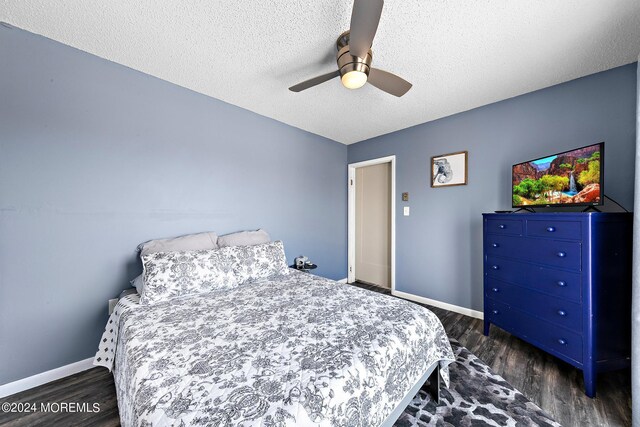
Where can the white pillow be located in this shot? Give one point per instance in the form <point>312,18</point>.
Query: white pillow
<point>190,242</point>
<point>251,263</point>
<point>244,238</point>
<point>169,275</point>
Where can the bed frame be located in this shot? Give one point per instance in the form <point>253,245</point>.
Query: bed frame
<point>433,376</point>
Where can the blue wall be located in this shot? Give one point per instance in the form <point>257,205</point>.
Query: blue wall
<point>439,247</point>
<point>96,158</point>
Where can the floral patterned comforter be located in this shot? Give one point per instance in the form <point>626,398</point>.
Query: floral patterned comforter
<point>294,350</point>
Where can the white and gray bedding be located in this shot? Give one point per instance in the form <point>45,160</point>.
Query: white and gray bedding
<point>295,349</point>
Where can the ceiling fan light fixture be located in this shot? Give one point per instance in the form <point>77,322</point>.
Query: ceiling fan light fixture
<point>354,71</point>
<point>354,55</point>
<point>354,79</point>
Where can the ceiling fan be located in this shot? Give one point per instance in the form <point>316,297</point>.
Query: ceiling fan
<point>354,54</point>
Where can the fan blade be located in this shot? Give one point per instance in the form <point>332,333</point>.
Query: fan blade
<point>388,82</point>
<point>314,81</point>
<point>364,23</point>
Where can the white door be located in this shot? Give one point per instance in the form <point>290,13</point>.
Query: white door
<point>373,224</point>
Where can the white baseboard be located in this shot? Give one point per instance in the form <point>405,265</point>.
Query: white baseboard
<point>440,304</point>
<point>45,377</point>
<point>342,280</point>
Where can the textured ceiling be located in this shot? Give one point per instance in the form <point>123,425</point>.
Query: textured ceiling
<point>458,54</point>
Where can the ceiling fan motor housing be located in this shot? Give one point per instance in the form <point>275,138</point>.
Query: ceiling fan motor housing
<point>348,62</point>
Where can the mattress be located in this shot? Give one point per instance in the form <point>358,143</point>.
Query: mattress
<point>296,349</point>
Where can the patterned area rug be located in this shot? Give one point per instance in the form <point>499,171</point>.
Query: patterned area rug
<point>476,397</point>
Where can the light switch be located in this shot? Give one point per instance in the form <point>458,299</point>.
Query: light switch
<point>405,197</point>
<point>406,211</point>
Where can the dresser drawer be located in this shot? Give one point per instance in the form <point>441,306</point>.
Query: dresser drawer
<point>506,246</point>
<point>560,283</point>
<point>570,230</point>
<point>506,270</point>
<point>552,309</point>
<point>556,253</point>
<point>547,336</point>
<point>512,227</point>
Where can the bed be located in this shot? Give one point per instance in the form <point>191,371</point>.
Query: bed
<point>293,349</point>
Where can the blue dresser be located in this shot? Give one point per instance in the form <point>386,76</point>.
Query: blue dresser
<point>562,282</point>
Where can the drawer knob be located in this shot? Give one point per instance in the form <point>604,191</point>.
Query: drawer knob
<point>551,229</point>
<point>562,283</point>
<point>495,267</point>
<point>495,245</point>
<point>562,312</point>
<point>495,289</point>
<point>562,341</point>
<point>495,312</point>
<point>502,226</point>
<point>562,254</point>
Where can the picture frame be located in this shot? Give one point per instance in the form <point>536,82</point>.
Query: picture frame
<point>448,170</point>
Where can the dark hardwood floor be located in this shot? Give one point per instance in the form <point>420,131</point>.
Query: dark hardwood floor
<point>92,386</point>
<point>550,383</point>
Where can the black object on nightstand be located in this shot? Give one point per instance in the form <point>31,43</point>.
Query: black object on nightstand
<point>307,266</point>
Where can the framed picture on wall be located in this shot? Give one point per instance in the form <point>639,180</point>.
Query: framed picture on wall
<point>449,169</point>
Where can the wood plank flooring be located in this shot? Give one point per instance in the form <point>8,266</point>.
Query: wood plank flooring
<point>91,386</point>
<point>553,385</point>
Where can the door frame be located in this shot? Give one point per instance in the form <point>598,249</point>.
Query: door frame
<point>351,227</point>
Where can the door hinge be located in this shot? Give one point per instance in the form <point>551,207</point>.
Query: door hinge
<point>351,182</point>
<point>350,269</point>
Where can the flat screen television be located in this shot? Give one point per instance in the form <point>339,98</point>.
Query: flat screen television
<point>570,178</point>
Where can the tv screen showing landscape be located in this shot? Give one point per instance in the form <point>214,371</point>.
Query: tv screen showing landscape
<point>570,178</point>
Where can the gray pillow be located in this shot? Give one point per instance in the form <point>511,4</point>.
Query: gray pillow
<point>244,238</point>
<point>190,242</point>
